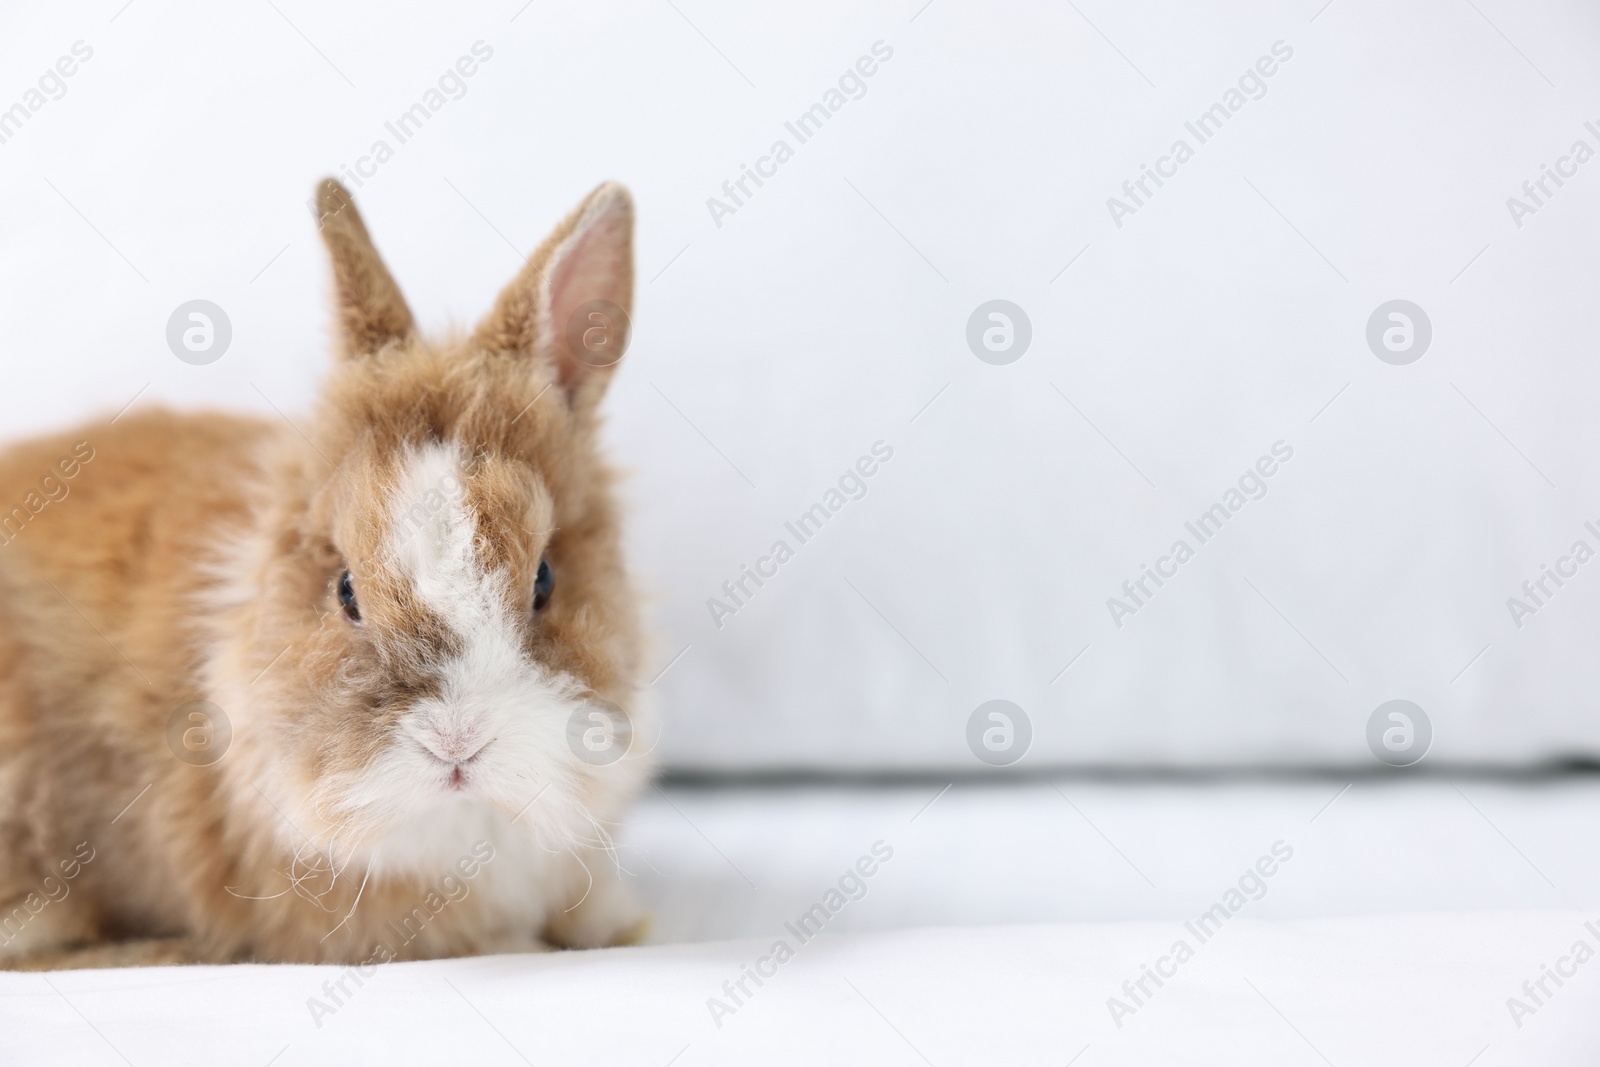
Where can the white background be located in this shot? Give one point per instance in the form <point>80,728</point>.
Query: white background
<point>772,351</point>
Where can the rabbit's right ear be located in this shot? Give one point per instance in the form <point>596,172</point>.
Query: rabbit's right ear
<point>372,313</point>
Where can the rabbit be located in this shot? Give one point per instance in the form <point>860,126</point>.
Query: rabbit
<point>352,688</point>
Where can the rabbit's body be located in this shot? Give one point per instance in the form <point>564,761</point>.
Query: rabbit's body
<point>357,616</point>
<point>99,575</point>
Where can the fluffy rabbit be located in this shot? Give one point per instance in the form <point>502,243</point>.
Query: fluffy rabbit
<point>348,689</point>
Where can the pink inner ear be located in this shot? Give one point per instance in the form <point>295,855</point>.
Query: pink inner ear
<point>594,263</point>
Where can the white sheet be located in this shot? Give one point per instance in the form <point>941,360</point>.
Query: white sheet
<point>1356,991</point>
<point>1438,891</point>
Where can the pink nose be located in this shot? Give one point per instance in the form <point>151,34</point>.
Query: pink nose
<point>452,748</point>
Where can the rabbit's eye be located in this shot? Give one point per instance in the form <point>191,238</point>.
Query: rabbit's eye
<point>347,597</point>
<point>543,585</point>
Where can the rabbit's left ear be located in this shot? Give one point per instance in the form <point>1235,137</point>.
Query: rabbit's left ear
<point>572,301</point>
<point>372,313</point>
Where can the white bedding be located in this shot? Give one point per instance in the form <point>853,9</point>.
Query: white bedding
<point>1445,898</point>
<point>1353,991</point>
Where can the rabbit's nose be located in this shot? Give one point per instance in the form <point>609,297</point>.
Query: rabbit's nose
<point>451,747</point>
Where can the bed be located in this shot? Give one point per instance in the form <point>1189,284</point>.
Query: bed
<point>1411,922</point>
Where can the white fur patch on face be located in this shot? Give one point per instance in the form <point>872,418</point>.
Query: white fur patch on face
<point>491,746</point>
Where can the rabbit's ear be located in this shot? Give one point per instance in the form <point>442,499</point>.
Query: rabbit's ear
<point>372,313</point>
<point>572,301</point>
